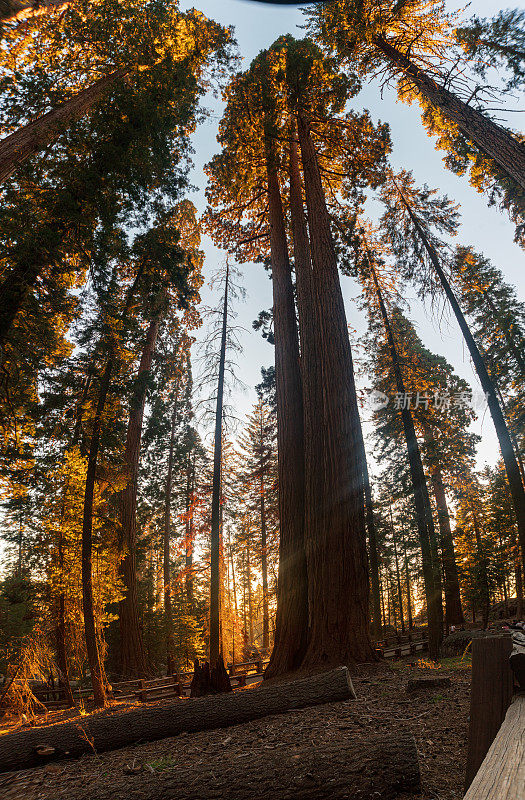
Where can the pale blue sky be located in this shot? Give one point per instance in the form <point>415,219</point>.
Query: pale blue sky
<point>256,27</point>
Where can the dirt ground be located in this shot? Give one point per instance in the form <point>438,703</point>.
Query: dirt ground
<point>437,719</point>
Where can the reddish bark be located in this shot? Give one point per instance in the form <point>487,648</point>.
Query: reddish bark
<point>292,609</point>
<point>489,137</point>
<point>33,137</point>
<point>335,539</point>
<point>132,656</point>
<point>423,509</point>
<point>453,610</point>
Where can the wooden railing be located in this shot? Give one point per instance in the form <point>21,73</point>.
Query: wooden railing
<point>149,690</point>
<point>502,772</point>
<point>240,672</point>
<point>496,745</point>
<point>402,645</point>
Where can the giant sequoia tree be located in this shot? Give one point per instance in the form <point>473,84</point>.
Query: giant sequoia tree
<point>292,96</point>
<point>413,44</point>
<point>412,222</point>
<point>173,245</point>
<point>377,297</point>
<point>88,166</point>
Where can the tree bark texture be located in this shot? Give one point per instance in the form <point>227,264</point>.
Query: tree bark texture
<point>264,563</point>
<point>377,765</point>
<point>109,730</point>
<point>215,578</point>
<point>398,573</point>
<point>38,134</point>
<point>338,588</point>
<point>63,677</point>
<point>166,539</point>
<point>490,138</point>
<point>95,664</point>
<point>132,656</point>
<point>425,522</point>
<point>519,584</point>
<point>409,589</point>
<point>453,610</point>
<point>291,623</point>
<point>188,528</point>
<point>373,556</point>
<point>507,451</point>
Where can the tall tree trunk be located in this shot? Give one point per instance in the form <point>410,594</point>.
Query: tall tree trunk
<point>63,671</point>
<point>215,578</point>
<point>234,582</point>
<point>264,564</point>
<point>515,443</point>
<point>132,657</point>
<point>385,622</point>
<point>63,677</point>
<point>291,623</point>
<point>485,608</point>
<point>244,615</point>
<point>38,134</point>
<point>519,585</point>
<point>453,610</point>
<point>95,664</point>
<point>398,574</point>
<point>491,139</point>
<point>338,588</point>
<point>166,538</point>
<point>425,522</point>
<point>249,585</point>
<point>188,528</point>
<point>409,589</point>
<point>509,458</point>
<point>373,556</point>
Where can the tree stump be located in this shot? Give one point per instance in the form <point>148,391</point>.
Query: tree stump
<point>209,681</point>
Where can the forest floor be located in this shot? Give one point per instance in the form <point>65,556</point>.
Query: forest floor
<point>438,720</point>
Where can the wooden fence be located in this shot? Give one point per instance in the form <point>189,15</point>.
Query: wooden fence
<point>402,645</point>
<point>496,744</point>
<point>241,674</point>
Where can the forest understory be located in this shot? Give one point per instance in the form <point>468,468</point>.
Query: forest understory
<point>201,765</point>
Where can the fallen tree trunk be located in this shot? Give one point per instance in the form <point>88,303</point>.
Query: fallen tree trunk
<point>365,765</point>
<point>368,768</point>
<point>109,730</point>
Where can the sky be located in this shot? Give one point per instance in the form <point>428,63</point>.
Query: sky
<point>256,26</point>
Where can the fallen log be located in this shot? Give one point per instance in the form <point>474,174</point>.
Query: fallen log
<point>335,770</point>
<point>110,729</point>
<point>367,765</point>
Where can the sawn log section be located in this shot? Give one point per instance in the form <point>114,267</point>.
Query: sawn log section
<point>108,730</point>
